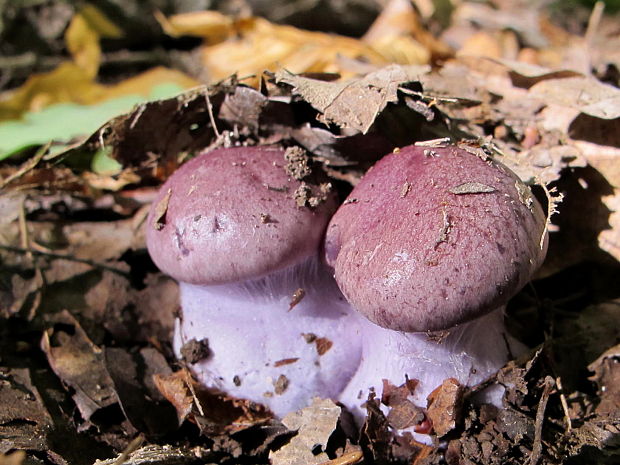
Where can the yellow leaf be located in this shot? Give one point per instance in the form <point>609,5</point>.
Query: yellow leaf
<point>83,44</point>
<point>402,49</point>
<point>399,35</point>
<point>100,23</point>
<point>70,83</point>
<point>143,83</point>
<point>211,25</point>
<point>67,83</point>
<point>259,45</point>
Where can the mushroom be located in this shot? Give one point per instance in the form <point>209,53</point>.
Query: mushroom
<point>255,297</point>
<point>429,246</point>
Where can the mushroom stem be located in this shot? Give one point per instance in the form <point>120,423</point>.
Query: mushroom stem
<point>469,352</point>
<point>267,348</point>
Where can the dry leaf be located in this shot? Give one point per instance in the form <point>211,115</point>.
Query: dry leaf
<point>444,406</point>
<point>254,45</point>
<point>586,94</point>
<point>214,412</point>
<point>355,103</point>
<point>153,454</point>
<point>606,370</point>
<point>605,160</point>
<point>83,44</point>
<point>314,425</point>
<point>24,419</point>
<point>79,364</point>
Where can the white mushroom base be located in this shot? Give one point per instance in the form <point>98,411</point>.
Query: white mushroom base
<point>470,353</point>
<point>262,351</point>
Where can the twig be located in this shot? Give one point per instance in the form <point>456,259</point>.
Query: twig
<point>24,63</point>
<point>28,165</point>
<point>23,228</point>
<point>26,251</point>
<point>28,60</point>
<point>540,418</point>
<point>131,447</point>
<point>569,423</point>
<point>211,117</point>
<point>190,386</point>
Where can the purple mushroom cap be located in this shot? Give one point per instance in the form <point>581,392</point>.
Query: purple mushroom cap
<point>229,215</point>
<point>434,237</point>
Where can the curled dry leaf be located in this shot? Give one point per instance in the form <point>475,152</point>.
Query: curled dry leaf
<point>214,412</point>
<point>444,406</point>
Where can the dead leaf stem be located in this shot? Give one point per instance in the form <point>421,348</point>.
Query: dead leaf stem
<point>28,165</point>
<point>211,117</point>
<point>131,447</point>
<point>569,423</point>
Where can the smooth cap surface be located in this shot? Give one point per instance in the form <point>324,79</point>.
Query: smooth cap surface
<point>433,237</point>
<point>230,215</point>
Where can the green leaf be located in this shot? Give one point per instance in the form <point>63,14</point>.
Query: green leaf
<point>64,122</point>
<point>103,163</point>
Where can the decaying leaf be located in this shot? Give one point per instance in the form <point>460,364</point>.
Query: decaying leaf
<point>356,103</point>
<point>314,425</point>
<point>79,364</point>
<point>585,94</point>
<point>444,406</point>
<point>153,454</point>
<point>606,370</point>
<point>138,398</point>
<point>214,412</point>
<point>24,419</point>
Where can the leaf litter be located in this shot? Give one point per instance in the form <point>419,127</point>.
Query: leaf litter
<point>81,298</point>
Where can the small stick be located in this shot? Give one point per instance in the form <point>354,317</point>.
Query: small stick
<point>211,117</point>
<point>569,424</point>
<point>190,386</point>
<point>540,418</point>
<point>29,164</point>
<point>131,447</point>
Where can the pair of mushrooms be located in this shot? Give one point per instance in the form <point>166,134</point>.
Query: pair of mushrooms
<point>430,239</point>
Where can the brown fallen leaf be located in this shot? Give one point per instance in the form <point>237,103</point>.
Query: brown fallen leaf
<point>356,103</point>
<point>79,364</point>
<point>139,400</point>
<point>214,412</point>
<point>586,94</point>
<point>606,370</point>
<point>444,406</point>
<point>314,425</point>
<point>24,420</point>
